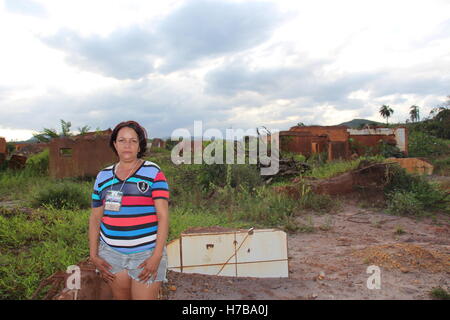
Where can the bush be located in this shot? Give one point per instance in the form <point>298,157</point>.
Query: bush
<point>442,166</point>
<point>332,169</point>
<point>37,164</point>
<point>62,195</point>
<point>264,207</point>
<point>234,175</point>
<point>404,202</point>
<point>440,293</point>
<point>403,187</point>
<point>388,150</point>
<point>421,144</point>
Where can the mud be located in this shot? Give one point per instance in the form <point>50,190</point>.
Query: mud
<point>332,261</point>
<point>328,263</point>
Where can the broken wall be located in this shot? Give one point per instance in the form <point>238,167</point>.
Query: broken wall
<point>3,148</point>
<point>316,139</point>
<point>371,136</point>
<point>334,133</point>
<point>80,156</point>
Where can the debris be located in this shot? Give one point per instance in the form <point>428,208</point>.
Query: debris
<point>17,162</point>
<point>93,287</point>
<point>405,257</point>
<point>414,165</point>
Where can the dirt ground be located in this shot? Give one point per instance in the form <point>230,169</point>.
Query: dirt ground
<point>331,262</point>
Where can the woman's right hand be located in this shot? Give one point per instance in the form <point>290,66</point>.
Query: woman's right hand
<point>103,267</point>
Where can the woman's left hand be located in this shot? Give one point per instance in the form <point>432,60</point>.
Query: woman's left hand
<point>150,268</point>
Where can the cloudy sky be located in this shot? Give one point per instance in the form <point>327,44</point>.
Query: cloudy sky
<point>230,64</point>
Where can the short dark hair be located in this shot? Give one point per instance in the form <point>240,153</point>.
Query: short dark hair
<point>141,132</point>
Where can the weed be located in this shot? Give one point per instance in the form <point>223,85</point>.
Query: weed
<point>403,202</point>
<point>399,230</point>
<point>332,169</point>
<point>412,194</point>
<point>61,195</point>
<point>327,225</point>
<point>439,293</point>
<point>307,227</point>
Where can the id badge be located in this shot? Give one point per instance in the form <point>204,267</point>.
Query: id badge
<point>113,200</point>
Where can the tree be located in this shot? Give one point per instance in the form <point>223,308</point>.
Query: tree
<point>65,128</point>
<point>84,129</point>
<point>48,134</point>
<point>386,112</point>
<point>414,113</point>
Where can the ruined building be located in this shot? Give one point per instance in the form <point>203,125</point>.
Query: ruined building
<point>80,156</point>
<point>340,142</point>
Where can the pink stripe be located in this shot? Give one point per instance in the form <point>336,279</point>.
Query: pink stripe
<point>139,201</point>
<point>125,222</point>
<point>160,193</point>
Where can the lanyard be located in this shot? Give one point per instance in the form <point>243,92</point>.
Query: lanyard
<point>125,180</point>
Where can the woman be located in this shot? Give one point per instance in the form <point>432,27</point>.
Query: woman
<point>129,223</point>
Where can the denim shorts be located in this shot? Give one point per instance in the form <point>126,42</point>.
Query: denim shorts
<point>130,262</point>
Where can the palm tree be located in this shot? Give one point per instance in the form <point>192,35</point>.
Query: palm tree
<point>84,129</point>
<point>414,113</point>
<point>48,134</point>
<point>386,112</point>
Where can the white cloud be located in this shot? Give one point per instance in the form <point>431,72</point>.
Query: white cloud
<point>172,62</point>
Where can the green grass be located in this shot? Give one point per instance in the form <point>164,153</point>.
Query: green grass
<point>337,167</point>
<point>332,169</point>
<point>413,194</point>
<point>37,245</point>
<point>441,165</point>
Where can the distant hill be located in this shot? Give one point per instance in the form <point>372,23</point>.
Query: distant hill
<point>357,123</point>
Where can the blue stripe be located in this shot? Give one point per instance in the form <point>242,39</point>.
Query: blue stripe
<point>150,172</point>
<point>95,197</point>
<point>133,210</point>
<point>128,233</point>
<point>133,179</point>
<point>108,184</point>
<point>160,185</point>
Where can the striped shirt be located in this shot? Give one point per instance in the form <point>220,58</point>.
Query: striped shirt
<point>133,228</point>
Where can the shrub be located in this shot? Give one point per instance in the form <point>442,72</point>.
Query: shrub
<point>37,164</point>
<point>62,195</point>
<point>439,293</point>
<point>404,202</point>
<point>403,187</point>
<point>332,168</point>
<point>234,175</point>
<point>421,144</point>
<point>316,202</point>
<point>388,150</point>
<point>442,166</point>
